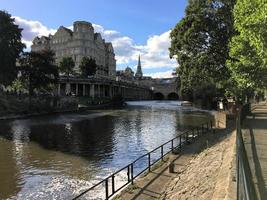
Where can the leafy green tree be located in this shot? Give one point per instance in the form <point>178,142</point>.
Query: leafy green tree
<point>248,49</point>
<point>66,66</point>
<point>38,71</point>
<point>199,42</point>
<point>10,48</point>
<point>88,67</point>
<point>17,86</point>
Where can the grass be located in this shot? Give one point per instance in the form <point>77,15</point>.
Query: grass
<point>117,198</point>
<point>130,189</point>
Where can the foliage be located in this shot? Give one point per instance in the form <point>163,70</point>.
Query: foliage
<point>88,67</point>
<point>10,47</point>
<point>38,72</point>
<point>248,52</point>
<point>199,42</point>
<point>66,66</point>
<point>17,86</point>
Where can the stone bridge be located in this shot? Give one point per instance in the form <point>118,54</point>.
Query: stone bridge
<point>102,88</point>
<point>165,88</point>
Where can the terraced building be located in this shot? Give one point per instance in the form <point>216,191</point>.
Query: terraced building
<point>79,43</point>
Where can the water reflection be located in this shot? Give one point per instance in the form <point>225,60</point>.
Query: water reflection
<point>59,156</point>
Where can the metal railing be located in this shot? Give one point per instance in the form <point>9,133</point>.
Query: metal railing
<point>175,144</point>
<point>245,185</point>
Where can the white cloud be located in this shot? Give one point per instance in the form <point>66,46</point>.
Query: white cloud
<point>166,74</point>
<point>32,29</point>
<point>154,54</point>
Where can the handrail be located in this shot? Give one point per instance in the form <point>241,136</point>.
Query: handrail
<point>245,186</point>
<point>183,139</point>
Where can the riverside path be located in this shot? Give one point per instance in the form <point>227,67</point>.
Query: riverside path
<point>255,139</point>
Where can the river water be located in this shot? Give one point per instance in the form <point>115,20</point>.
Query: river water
<point>59,156</point>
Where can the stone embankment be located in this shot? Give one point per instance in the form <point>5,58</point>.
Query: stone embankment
<point>208,175</point>
<point>204,170</point>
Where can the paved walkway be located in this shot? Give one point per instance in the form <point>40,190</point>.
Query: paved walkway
<point>255,138</point>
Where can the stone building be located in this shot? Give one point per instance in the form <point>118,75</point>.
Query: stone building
<point>127,74</point>
<point>79,43</point>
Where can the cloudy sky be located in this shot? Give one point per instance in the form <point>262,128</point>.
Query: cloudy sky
<point>133,26</point>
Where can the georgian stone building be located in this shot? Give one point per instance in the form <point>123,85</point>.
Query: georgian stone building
<point>79,43</point>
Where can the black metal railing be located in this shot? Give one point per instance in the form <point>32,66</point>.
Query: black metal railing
<point>245,185</point>
<point>176,144</point>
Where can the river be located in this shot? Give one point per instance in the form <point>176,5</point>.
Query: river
<point>59,156</point>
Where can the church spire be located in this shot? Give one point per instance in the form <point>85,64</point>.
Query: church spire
<point>139,73</point>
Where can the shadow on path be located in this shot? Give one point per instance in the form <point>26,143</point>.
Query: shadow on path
<point>258,169</point>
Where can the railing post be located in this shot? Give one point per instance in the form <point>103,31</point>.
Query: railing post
<point>113,184</point>
<point>132,173</point>
<point>180,143</point>
<point>162,152</point>
<point>172,145</point>
<point>106,186</point>
<point>149,169</point>
<point>210,124</point>
<point>202,128</point>
<point>237,173</point>
<point>128,173</point>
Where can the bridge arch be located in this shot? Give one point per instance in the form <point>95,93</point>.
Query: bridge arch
<point>158,96</point>
<point>173,96</point>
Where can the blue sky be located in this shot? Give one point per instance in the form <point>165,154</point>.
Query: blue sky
<point>133,26</point>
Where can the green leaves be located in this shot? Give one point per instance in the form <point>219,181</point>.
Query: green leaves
<point>38,72</point>
<point>10,48</point>
<point>66,66</point>
<point>88,67</point>
<point>248,63</point>
<point>200,44</point>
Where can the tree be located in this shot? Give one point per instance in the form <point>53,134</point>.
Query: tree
<point>38,72</point>
<point>66,66</point>
<point>248,49</point>
<point>10,48</point>
<point>199,42</point>
<point>88,67</point>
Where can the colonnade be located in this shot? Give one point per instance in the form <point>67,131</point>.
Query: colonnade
<point>102,90</point>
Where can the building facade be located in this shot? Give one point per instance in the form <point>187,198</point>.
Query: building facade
<point>79,43</point>
<point>125,75</point>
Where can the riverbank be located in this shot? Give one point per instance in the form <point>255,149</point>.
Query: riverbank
<point>13,116</point>
<point>202,171</point>
<point>29,115</point>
